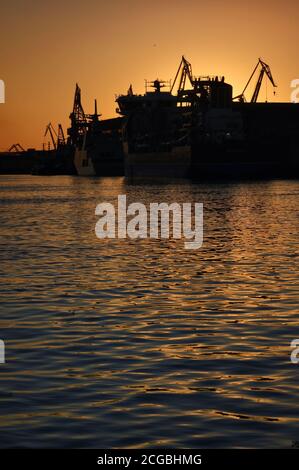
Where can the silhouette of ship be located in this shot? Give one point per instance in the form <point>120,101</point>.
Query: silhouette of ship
<point>156,133</point>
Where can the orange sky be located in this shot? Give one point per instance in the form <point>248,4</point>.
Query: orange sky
<point>45,47</point>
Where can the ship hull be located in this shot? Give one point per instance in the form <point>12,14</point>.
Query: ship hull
<point>255,159</point>
<point>173,164</point>
<point>83,163</point>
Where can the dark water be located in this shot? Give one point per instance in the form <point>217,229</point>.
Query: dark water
<point>121,343</point>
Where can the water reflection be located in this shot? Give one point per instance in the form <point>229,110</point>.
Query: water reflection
<point>142,343</point>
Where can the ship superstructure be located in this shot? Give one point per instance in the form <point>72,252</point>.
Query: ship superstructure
<point>156,133</point>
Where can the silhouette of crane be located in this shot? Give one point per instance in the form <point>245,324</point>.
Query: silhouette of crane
<point>265,69</point>
<point>78,119</point>
<point>53,135</point>
<point>16,148</point>
<point>60,136</point>
<point>185,71</point>
<point>57,138</point>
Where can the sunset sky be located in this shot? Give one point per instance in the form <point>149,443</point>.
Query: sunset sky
<point>46,47</point>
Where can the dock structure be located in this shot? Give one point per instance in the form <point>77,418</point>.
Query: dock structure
<point>194,124</point>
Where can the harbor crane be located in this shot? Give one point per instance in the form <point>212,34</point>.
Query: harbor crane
<point>16,148</point>
<point>185,71</point>
<point>203,88</point>
<point>57,138</point>
<point>78,119</point>
<point>60,137</point>
<point>53,135</point>
<point>264,69</point>
<point>94,118</point>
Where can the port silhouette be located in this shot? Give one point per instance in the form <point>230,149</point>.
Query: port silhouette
<point>193,127</point>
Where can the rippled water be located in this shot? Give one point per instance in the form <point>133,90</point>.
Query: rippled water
<point>122,343</point>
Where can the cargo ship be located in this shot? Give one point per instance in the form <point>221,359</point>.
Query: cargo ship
<point>202,131</point>
<point>156,133</point>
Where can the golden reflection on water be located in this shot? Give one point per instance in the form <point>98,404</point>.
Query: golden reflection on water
<point>139,343</point>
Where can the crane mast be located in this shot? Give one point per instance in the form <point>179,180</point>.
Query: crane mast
<point>78,119</point>
<point>53,135</point>
<point>60,136</point>
<point>185,69</point>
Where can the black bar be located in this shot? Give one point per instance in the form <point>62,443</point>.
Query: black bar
<point>149,458</point>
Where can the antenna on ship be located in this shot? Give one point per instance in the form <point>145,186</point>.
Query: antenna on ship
<point>130,90</point>
<point>94,118</point>
<point>157,84</point>
<point>96,114</point>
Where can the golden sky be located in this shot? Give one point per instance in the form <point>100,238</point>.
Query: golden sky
<point>104,45</point>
